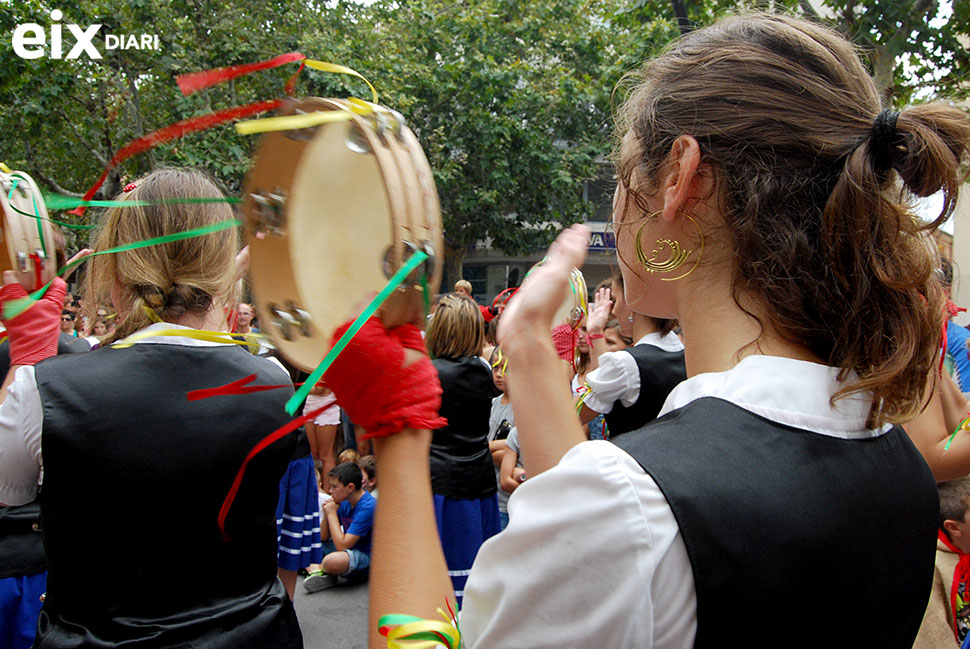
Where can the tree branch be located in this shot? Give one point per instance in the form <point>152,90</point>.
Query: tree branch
<point>97,154</point>
<point>809,10</point>
<point>42,177</point>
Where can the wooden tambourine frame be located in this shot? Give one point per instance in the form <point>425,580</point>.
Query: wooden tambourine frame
<point>28,239</point>
<point>331,213</point>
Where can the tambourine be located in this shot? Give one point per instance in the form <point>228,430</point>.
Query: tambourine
<point>331,212</point>
<point>28,239</point>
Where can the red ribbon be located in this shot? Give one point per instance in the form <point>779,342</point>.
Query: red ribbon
<point>277,434</point>
<point>236,387</point>
<point>38,278</point>
<point>174,131</point>
<point>195,81</point>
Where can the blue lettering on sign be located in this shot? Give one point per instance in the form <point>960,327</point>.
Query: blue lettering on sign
<point>602,242</point>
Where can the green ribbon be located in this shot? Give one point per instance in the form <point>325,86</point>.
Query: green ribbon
<point>964,424</point>
<point>15,307</point>
<point>59,202</point>
<point>416,259</point>
<point>36,215</point>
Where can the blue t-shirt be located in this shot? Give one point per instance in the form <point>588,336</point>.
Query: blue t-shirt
<point>358,520</point>
<point>956,346</point>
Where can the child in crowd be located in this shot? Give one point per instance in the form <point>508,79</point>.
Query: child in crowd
<point>463,287</point>
<point>500,423</point>
<point>345,530</point>
<point>347,455</point>
<point>512,472</point>
<point>322,431</point>
<point>947,617</point>
<point>368,467</point>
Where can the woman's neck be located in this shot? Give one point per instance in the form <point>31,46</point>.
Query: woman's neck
<point>211,320</point>
<point>642,326</point>
<point>718,334</point>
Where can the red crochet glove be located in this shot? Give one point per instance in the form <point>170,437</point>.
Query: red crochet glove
<point>379,394</point>
<point>564,338</point>
<point>33,333</point>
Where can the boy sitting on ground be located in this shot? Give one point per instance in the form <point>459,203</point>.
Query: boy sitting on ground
<point>947,617</point>
<point>345,529</point>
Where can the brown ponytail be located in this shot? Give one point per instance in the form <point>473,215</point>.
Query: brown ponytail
<point>814,179</point>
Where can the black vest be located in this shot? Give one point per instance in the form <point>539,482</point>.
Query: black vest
<point>134,477</point>
<point>795,539</point>
<point>21,546</point>
<point>660,372</point>
<point>461,464</point>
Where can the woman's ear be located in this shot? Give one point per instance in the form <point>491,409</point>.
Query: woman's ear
<point>680,177</point>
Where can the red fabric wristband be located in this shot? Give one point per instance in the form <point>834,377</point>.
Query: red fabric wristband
<point>33,333</point>
<point>564,338</point>
<point>374,389</point>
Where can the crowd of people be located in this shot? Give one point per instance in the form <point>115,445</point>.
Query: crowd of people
<point>752,418</point>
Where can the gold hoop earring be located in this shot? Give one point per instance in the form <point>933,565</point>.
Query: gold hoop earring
<point>678,256</point>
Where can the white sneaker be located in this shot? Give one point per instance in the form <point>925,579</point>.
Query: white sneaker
<point>317,581</point>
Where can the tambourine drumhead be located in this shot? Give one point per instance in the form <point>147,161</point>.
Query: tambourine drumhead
<point>335,205</point>
<point>27,233</point>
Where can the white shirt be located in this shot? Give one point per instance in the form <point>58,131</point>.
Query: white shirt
<point>22,419</point>
<point>592,556</point>
<point>617,377</point>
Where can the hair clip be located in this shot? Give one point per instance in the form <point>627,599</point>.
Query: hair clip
<point>129,187</point>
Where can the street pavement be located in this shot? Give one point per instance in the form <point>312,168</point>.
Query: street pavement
<point>333,619</point>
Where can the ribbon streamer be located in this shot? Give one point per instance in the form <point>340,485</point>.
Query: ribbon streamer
<point>174,131</point>
<point>197,334</point>
<point>277,434</point>
<point>195,81</point>
<point>291,122</point>
<point>60,202</point>
<point>964,426</point>
<point>236,387</point>
<point>410,632</point>
<point>15,307</point>
<point>416,259</point>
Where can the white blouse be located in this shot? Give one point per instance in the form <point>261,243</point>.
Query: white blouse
<point>617,377</point>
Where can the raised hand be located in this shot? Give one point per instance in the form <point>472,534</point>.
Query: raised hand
<point>600,315</point>
<point>531,310</point>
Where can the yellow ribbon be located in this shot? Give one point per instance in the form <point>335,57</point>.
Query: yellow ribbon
<point>397,638</point>
<point>211,336</point>
<point>152,315</point>
<point>582,398</point>
<point>291,122</point>
<point>309,120</point>
<point>5,169</point>
<point>340,69</point>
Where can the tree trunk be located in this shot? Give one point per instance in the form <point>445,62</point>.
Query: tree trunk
<point>883,66</point>
<point>680,11</point>
<point>454,258</point>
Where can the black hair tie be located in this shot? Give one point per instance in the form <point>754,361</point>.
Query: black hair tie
<point>885,139</point>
